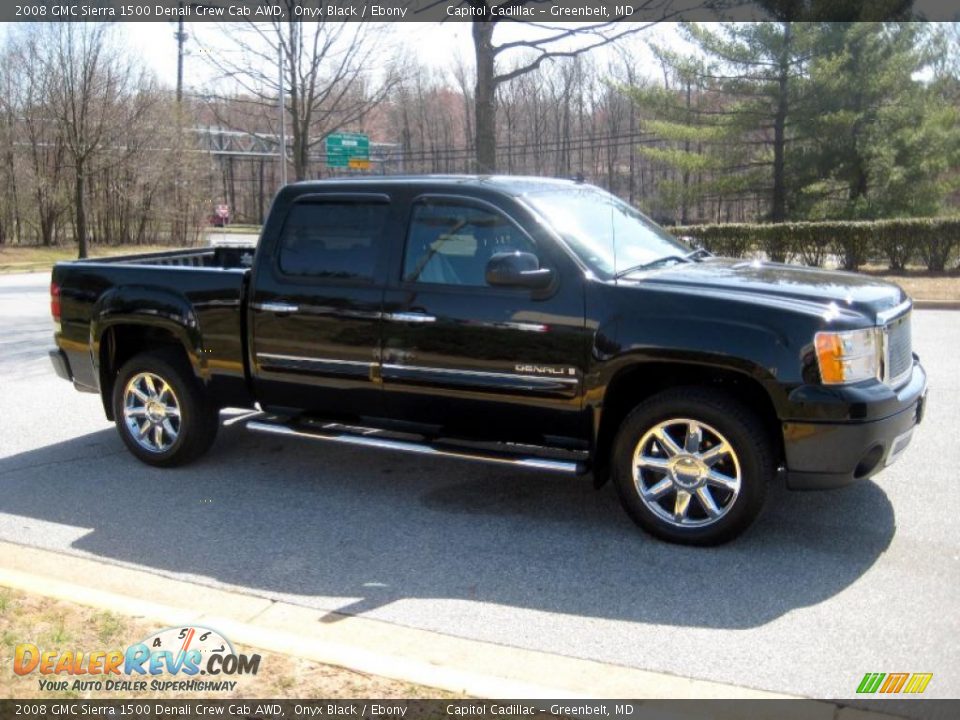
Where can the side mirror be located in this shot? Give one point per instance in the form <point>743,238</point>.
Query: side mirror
<point>517,269</point>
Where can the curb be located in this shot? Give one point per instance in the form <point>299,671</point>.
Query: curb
<point>471,667</point>
<point>936,305</point>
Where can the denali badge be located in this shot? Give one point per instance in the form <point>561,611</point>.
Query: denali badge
<point>545,370</point>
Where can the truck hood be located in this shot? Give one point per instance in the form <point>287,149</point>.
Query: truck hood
<point>805,288</point>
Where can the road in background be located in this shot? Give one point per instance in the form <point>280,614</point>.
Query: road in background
<point>219,237</point>
<point>824,588</point>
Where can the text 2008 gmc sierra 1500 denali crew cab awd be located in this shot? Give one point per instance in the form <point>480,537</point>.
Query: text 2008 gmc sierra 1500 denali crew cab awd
<point>541,323</point>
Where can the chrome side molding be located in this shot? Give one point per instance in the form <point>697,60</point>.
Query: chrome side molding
<point>276,307</point>
<point>548,380</point>
<point>414,317</point>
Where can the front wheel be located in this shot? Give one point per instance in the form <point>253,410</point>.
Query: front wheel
<point>161,410</point>
<point>691,465</point>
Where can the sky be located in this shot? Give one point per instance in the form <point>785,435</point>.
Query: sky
<point>435,44</point>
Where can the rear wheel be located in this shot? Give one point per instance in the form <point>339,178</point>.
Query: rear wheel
<point>161,411</point>
<point>691,465</point>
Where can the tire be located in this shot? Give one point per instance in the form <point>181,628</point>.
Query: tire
<point>148,389</point>
<point>681,485</point>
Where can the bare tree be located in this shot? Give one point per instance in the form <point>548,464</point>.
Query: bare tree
<point>35,130</point>
<point>10,220</point>
<point>461,74</point>
<point>88,140</point>
<point>334,73</point>
<point>547,41</point>
<point>96,96</point>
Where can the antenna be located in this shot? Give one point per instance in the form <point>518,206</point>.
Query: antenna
<point>613,238</point>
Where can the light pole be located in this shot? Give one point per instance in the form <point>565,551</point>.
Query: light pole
<point>283,119</point>
<point>181,37</point>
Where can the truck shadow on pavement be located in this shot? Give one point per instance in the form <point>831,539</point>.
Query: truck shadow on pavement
<point>349,530</point>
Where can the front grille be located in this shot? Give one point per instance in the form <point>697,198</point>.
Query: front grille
<point>898,350</point>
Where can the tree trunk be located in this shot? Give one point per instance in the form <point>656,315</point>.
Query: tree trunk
<point>260,193</point>
<point>778,211</point>
<point>46,226</point>
<point>685,199</point>
<point>301,158</point>
<point>231,187</point>
<point>8,157</point>
<point>16,204</point>
<point>859,181</point>
<point>485,108</point>
<point>80,211</point>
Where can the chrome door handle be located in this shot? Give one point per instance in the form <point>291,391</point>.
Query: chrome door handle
<point>276,307</point>
<point>415,317</point>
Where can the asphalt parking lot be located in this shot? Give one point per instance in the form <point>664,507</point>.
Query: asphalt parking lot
<point>824,588</point>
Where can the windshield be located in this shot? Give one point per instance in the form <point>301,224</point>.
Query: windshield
<point>605,232</point>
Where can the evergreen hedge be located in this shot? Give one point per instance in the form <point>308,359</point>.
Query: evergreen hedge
<point>933,241</point>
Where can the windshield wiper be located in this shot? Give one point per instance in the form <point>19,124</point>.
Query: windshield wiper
<point>698,253</point>
<point>651,264</point>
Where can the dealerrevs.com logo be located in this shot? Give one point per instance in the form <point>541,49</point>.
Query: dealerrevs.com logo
<point>183,652</point>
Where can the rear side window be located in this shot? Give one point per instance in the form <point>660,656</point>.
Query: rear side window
<point>337,240</point>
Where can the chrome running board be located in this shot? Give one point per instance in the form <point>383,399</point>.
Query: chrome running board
<point>335,434</point>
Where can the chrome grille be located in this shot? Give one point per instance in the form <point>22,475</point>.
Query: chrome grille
<point>897,350</point>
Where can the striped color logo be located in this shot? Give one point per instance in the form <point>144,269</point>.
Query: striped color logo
<point>890,683</point>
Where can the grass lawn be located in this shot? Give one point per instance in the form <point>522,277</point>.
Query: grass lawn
<point>239,229</point>
<point>922,284</point>
<point>19,258</point>
<point>61,626</point>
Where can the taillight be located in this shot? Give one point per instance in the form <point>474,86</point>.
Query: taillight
<point>55,301</point>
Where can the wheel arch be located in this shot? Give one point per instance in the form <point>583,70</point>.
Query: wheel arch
<point>122,338</point>
<point>128,319</point>
<point>634,382</point>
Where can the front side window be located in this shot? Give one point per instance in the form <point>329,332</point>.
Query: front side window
<point>451,243</point>
<point>336,240</point>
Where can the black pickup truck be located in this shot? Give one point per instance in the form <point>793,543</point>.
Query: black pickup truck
<point>539,323</point>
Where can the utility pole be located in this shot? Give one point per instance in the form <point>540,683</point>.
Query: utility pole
<point>180,224</point>
<point>181,37</point>
<point>283,120</point>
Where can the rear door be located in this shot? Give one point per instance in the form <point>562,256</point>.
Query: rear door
<point>315,306</point>
<point>469,359</point>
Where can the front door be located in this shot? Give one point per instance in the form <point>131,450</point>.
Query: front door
<point>315,307</point>
<point>472,360</point>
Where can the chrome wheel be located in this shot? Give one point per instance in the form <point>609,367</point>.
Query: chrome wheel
<point>686,473</point>
<point>151,412</point>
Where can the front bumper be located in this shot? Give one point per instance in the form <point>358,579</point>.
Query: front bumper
<point>822,455</point>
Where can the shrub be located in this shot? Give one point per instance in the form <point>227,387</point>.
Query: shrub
<point>932,240</point>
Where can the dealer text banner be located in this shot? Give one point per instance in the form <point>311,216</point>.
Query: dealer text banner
<point>384,709</point>
<point>542,11</point>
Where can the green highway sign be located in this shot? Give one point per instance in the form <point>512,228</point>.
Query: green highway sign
<point>348,150</point>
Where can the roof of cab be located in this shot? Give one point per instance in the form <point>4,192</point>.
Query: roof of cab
<point>510,184</point>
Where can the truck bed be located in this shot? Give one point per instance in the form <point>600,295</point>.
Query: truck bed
<point>196,296</point>
<point>223,258</point>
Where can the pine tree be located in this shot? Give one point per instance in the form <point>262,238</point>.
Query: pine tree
<point>883,138</point>
<point>754,72</point>
<point>697,145</point>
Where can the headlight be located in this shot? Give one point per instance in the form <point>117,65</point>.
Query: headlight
<point>848,357</point>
